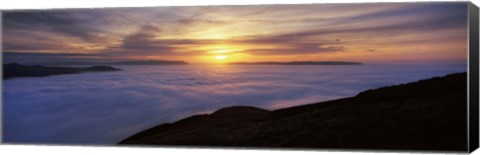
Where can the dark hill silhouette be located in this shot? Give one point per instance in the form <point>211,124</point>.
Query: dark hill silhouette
<point>13,70</point>
<point>297,63</point>
<point>150,62</point>
<point>424,115</point>
<point>140,62</point>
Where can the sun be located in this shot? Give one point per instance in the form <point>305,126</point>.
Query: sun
<point>220,57</point>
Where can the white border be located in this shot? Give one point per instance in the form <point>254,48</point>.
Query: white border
<point>53,150</point>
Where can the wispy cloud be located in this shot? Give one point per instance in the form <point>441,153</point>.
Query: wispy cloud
<point>320,31</point>
<point>70,23</point>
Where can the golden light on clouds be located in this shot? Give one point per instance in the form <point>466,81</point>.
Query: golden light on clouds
<point>220,51</point>
<point>213,34</point>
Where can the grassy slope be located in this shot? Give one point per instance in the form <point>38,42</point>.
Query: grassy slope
<point>424,115</point>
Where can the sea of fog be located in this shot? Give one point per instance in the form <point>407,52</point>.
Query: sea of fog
<point>107,107</point>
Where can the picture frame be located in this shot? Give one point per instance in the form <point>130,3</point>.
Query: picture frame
<point>472,75</point>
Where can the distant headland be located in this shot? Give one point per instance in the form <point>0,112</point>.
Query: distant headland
<point>14,70</point>
<point>298,63</point>
<point>139,62</point>
<point>150,62</point>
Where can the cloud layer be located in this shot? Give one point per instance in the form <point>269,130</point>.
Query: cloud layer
<point>104,108</point>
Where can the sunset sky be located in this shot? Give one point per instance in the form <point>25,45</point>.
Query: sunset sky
<point>382,32</point>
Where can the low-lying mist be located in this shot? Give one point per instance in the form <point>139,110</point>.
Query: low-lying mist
<point>104,108</point>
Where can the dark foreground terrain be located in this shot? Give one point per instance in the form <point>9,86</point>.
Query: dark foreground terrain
<point>13,70</point>
<point>424,115</point>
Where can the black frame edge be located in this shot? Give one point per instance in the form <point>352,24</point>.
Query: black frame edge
<point>473,110</point>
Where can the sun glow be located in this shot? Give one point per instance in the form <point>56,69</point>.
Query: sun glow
<point>221,51</point>
<point>220,57</point>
